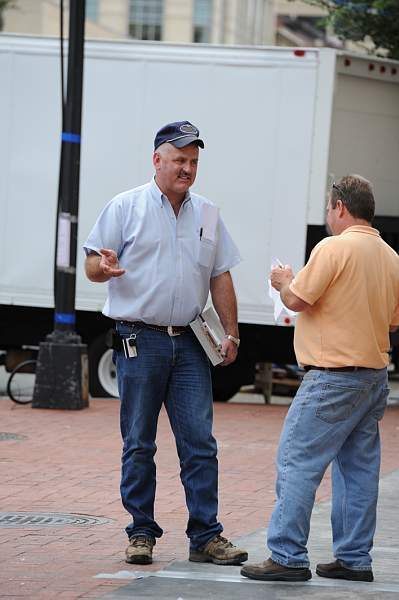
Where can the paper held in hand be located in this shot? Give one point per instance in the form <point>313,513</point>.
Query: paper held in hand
<point>282,314</point>
<point>210,333</point>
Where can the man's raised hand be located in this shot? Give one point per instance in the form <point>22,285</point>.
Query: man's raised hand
<point>109,263</point>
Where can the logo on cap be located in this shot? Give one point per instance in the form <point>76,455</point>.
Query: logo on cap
<point>187,128</point>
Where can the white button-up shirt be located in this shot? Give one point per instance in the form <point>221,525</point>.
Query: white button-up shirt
<point>168,265</point>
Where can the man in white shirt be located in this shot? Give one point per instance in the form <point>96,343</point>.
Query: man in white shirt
<point>162,249</point>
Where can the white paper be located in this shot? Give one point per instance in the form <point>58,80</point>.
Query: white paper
<point>282,314</point>
<point>210,333</point>
<point>64,240</point>
<point>209,221</point>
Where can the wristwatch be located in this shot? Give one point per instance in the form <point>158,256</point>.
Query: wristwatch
<point>233,339</point>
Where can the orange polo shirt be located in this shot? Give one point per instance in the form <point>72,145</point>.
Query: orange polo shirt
<point>351,282</point>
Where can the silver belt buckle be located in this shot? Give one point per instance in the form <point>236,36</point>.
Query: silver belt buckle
<point>171,332</point>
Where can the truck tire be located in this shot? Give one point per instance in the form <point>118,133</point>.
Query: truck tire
<point>223,393</point>
<point>227,381</point>
<point>102,371</point>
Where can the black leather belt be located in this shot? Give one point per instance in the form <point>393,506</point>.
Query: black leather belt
<point>338,369</point>
<point>169,329</point>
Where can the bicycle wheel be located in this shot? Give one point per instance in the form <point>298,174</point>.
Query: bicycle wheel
<point>21,382</point>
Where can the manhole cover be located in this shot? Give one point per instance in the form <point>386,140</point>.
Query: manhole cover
<point>4,435</point>
<point>27,519</point>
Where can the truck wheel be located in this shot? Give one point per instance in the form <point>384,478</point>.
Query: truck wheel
<point>227,381</point>
<point>102,371</point>
<point>225,392</point>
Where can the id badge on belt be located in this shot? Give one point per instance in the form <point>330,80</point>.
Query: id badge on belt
<point>129,346</point>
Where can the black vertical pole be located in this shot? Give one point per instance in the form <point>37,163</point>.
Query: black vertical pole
<point>61,375</point>
<point>65,280</point>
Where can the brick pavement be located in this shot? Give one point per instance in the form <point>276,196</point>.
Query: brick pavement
<point>69,463</point>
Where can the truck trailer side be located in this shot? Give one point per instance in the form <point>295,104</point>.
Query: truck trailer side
<point>278,124</point>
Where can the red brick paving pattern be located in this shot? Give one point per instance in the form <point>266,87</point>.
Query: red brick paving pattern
<point>70,463</point>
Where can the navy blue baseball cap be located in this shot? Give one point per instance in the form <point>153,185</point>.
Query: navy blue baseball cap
<point>180,134</point>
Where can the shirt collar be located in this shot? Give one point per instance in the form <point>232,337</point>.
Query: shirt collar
<point>156,192</point>
<point>160,196</point>
<point>362,229</point>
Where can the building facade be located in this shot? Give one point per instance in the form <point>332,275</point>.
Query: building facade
<point>243,22</point>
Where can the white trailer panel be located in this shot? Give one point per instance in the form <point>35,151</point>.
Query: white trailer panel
<point>275,122</point>
<point>255,111</point>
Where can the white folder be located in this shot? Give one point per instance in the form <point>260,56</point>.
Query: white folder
<point>210,333</point>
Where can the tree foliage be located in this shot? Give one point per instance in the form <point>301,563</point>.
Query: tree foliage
<point>3,5</point>
<point>357,19</point>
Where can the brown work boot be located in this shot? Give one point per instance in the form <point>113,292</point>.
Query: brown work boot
<point>337,570</point>
<point>220,552</point>
<point>272,571</point>
<point>139,550</point>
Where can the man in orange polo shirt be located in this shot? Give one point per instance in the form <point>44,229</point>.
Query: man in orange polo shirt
<point>348,299</point>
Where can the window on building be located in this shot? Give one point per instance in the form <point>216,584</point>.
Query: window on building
<point>92,10</point>
<point>202,21</point>
<point>145,19</point>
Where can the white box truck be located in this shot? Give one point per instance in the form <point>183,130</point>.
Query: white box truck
<point>277,123</point>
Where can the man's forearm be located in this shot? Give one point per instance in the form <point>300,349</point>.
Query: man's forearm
<point>290,300</point>
<point>225,302</point>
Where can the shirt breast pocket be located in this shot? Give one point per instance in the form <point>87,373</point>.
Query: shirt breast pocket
<point>206,252</point>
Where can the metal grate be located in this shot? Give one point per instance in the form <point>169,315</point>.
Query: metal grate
<point>30,519</point>
<point>4,435</point>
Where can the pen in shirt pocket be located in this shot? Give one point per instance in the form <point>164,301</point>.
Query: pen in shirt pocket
<point>201,233</point>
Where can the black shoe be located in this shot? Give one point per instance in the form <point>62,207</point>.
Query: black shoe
<point>272,571</point>
<point>336,570</point>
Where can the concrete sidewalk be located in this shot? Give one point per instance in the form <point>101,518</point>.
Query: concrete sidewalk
<point>61,471</point>
<point>190,581</point>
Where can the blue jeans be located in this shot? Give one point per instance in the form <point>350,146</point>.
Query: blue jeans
<point>174,371</point>
<point>333,418</point>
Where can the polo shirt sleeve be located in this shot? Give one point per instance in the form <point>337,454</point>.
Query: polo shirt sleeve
<point>313,280</point>
<point>107,231</point>
<point>227,254</point>
<point>395,318</point>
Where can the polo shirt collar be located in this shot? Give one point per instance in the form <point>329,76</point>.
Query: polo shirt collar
<point>362,229</point>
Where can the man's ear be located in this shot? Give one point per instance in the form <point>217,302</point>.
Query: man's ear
<point>156,158</point>
<point>341,208</point>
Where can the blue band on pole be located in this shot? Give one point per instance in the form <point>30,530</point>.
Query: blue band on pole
<point>73,138</point>
<point>65,318</point>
